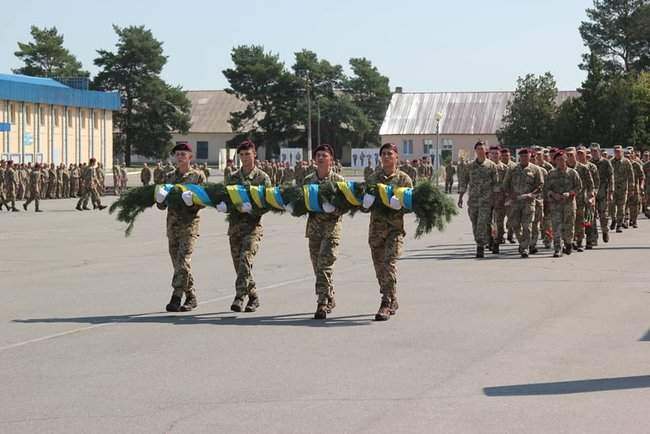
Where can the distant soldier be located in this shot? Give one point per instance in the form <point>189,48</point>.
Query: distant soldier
<point>591,211</point>
<point>145,175</point>
<point>637,191</point>
<point>521,185</point>
<point>584,196</point>
<point>124,178</point>
<point>227,171</point>
<point>479,179</point>
<point>450,171</point>
<point>623,183</point>
<point>65,179</point>
<point>158,174</point>
<point>3,198</point>
<point>34,186</point>
<point>90,184</point>
<point>117,182</point>
<point>51,182</point>
<point>497,228</point>
<point>561,188</point>
<point>646,173</point>
<point>75,176</point>
<point>101,179</point>
<point>206,171</point>
<point>11,185</point>
<point>288,176</point>
<point>367,171</point>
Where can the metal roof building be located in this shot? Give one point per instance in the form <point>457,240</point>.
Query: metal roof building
<point>466,117</point>
<point>43,120</point>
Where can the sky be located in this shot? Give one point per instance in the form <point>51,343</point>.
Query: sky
<point>461,45</point>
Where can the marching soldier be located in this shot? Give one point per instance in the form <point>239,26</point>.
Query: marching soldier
<point>623,183</point>
<point>34,186</point>
<point>145,175</point>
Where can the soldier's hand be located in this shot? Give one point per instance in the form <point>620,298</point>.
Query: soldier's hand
<point>187,198</point>
<point>460,202</point>
<point>368,200</point>
<point>161,195</point>
<point>289,208</point>
<point>395,203</point>
<point>328,207</point>
<point>222,207</point>
<point>246,208</point>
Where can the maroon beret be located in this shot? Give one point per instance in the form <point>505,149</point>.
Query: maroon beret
<point>324,147</point>
<point>391,146</point>
<point>182,146</point>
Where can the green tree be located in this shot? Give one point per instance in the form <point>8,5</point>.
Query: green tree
<point>617,32</point>
<point>640,111</point>
<point>529,118</point>
<point>370,91</point>
<point>261,80</point>
<point>151,109</point>
<point>46,56</point>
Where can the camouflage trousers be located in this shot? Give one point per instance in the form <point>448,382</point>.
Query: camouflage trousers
<point>480,216</point>
<point>385,249</point>
<point>618,206</point>
<point>181,246</point>
<point>633,206</point>
<point>34,196</point>
<point>522,213</point>
<point>322,251</point>
<point>74,187</point>
<point>244,245</point>
<point>646,198</point>
<point>89,193</point>
<point>601,215</point>
<point>499,216</point>
<point>538,223</point>
<point>66,189</point>
<point>20,191</point>
<point>547,227</point>
<point>563,216</point>
<point>449,184</point>
<point>581,211</point>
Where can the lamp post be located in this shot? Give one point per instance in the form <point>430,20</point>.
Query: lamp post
<point>437,166</point>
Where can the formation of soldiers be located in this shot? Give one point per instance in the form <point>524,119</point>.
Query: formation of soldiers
<point>38,181</point>
<point>560,196</point>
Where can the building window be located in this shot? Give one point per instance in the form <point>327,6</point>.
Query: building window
<point>428,146</point>
<point>28,114</point>
<point>201,150</point>
<point>407,147</point>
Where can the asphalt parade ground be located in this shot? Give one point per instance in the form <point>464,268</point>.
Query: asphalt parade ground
<point>500,345</point>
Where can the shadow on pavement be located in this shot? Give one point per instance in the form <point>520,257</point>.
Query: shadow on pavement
<point>569,387</point>
<point>216,318</point>
<point>645,337</point>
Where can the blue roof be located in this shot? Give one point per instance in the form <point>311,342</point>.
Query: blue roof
<point>39,90</point>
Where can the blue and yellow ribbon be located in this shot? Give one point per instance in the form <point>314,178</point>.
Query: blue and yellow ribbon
<point>238,195</point>
<point>274,198</point>
<point>310,192</point>
<point>405,196</point>
<point>347,188</point>
<point>257,193</point>
<point>385,193</point>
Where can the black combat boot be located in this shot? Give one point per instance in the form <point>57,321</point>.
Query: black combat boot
<point>253,303</point>
<point>321,311</point>
<point>480,251</point>
<point>533,250</point>
<point>618,229</point>
<point>190,302</point>
<point>605,237</point>
<point>78,207</point>
<point>612,226</point>
<point>383,314</point>
<point>101,207</point>
<point>25,206</point>
<point>174,304</point>
<point>495,248</point>
<point>237,304</point>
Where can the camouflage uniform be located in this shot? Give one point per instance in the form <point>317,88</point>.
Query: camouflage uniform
<point>11,185</point>
<point>324,233</point>
<point>75,176</point>
<point>646,201</point>
<point>519,181</point>
<point>634,198</point>
<point>90,184</point>
<point>145,175</point>
<point>563,211</point>
<point>367,171</point>
<point>604,190</point>
<point>538,219</point>
<point>582,197</point>
<point>245,233</point>
<point>386,236</point>
<point>623,183</point>
<point>182,232</point>
<point>158,175</point>
<point>52,182</point>
<point>480,179</point>
<point>497,229</point>
<point>34,187</point>
<point>65,178</point>
<point>450,171</point>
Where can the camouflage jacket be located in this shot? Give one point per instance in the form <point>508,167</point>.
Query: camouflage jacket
<point>184,220</point>
<point>522,180</point>
<point>35,181</point>
<point>586,181</point>
<point>480,181</point>
<point>605,176</point>
<point>11,179</point>
<point>243,222</point>
<point>595,176</point>
<point>639,176</point>
<point>383,220</point>
<point>560,182</point>
<point>319,224</point>
<point>646,172</point>
<point>623,174</point>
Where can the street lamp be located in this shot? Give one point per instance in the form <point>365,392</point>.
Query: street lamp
<point>438,119</point>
